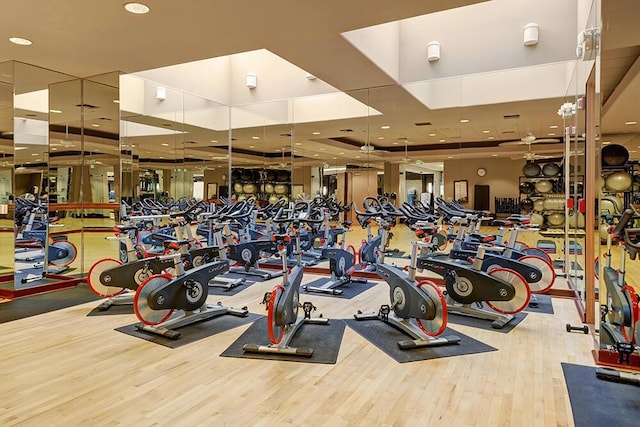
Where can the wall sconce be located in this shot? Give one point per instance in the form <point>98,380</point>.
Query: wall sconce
<point>531,34</point>
<point>161,93</point>
<point>252,80</point>
<point>433,51</point>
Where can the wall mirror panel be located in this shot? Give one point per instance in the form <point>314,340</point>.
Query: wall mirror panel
<point>261,163</point>
<point>7,237</point>
<point>39,259</point>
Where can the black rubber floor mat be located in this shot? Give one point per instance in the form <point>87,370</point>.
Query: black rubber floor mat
<point>543,304</point>
<point>596,402</point>
<point>386,338</point>
<point>193,332</point>
<point>349,290</point>
<point>460,319</point>
<point>45,303</point>
<point>325,340</point>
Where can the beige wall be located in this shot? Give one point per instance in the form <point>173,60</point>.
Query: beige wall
<point>502,177</point>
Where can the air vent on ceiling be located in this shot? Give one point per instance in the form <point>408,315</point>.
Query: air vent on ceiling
<point>511,116</point>
<point>508,131</point>
<point>423,124</point>
<point>87,106</point>
<point>106,119</point>
<point>346,130</point>
<point>190,142</point>
<point>285,135</point>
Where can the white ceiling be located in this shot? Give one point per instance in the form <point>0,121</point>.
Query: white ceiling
<point>84,39</point>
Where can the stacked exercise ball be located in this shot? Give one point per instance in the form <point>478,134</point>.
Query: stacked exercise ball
<point>614,155</point>
<point>618,182</point>
<point>531,170</point>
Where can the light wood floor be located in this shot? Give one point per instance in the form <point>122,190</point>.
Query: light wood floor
<point>63,368</point>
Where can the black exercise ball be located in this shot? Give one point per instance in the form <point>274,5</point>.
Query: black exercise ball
<point>271,175</point>
<point>551,169</point>
<point>283,175</point>
<point>614,155</point>
<point>235,175</point>
<point>531,169</point>
<point>246,174</point>
<point>526,187</point>
<point>526,204</point>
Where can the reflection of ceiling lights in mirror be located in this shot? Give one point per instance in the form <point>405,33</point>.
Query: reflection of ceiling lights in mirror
<point>55,111</point>
<point>631,123</point>
<point>486,131</point>
<point>20,41</point>
<point>316,133</point>
<point>136,8</point>
<point>385,127</point>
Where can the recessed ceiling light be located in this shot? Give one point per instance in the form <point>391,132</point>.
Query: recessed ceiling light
<point>442,140</point>
<point>95,125</point>
<point>494,155</point>
<point>298,143</point>
<point>553,127</point>
<point>381,137</point>
<point>133,145</point>
<point>54,149</point>
<point>137,8</point>
<point>334,158</point>
<point>491,137</point>
<point>464,120</point>
<point>450,157</point>
<point>164,144</point>
<point>357,157</point>
<point>255,137</point>
<point>116,101</point>
<point>633,151</point>
<point>214,140</point>
<point>395,143</point>
<point>316,133</point>
<point>551,134</point>
<point>316,155</point>
<point>252,146</point>
<point>55,111</point>
<point>631,123</point>
<point>342,152</point>
<point>606,143</point>
<point>385,127</point>
<point>20,41</point>
<point>486,131</point>
<point>322,149</point>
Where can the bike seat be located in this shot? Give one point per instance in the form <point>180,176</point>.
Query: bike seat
<point>174,244</point>
<point>484,238</point>
<point>124,228</point>
<point>347,224</point>
<point>502,223</point>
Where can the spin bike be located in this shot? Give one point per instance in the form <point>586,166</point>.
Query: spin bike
<point>468,287</point>
<point>621,313</point>
<point>161,294</point>
<point>342,262</point>
<point>422,302</point>
<point>372,249</point>
<point>283,302</point>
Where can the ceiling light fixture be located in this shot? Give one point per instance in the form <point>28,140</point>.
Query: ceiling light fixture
<point>433,51</point>
<point>164,144</point>
<point>464,120</point>
<point>55,111</point>
<point>385,127</point>
<point>298,143</point>
<point>553,127</point>
<point>486,131</point>
<point>136,8</point>
<point>116,101</point>
<point>432,134</point>
<point>95,125</point>
<point>255,137</point>
<point>20,41</point>
<point>252,146</point>
<point>316,133</point>
<point>530,34</point>
<point>491,137</point>
<point>551,134</point>
<point>442,140</point>
<point>631,123</point>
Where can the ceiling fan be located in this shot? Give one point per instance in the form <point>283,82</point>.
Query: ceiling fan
<point>528,140</point>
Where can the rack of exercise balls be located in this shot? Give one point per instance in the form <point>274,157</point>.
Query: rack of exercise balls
<point>266,185</point>
<point>619,182</point>
<point>542,194</point>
